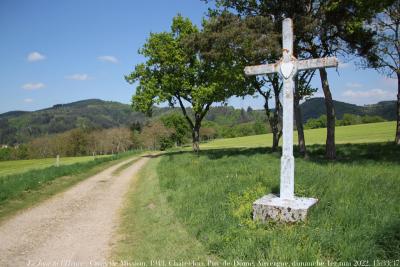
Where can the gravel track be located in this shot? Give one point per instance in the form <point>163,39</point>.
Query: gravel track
<point>73,228</point>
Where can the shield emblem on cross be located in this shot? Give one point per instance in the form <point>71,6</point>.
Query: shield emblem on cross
<point>287,69</point>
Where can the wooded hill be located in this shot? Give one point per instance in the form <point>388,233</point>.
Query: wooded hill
<point>315,107</point>
<point>22,126</point>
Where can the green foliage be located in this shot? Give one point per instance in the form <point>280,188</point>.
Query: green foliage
<point>5,153</point>
<point>347,119</point>
<point>165,142</point>
<point>170,70</point>
<point>178,71</point>
<point>371,119</point>
<point>316,123</point>
<point>259,128</point>
<point>78,141</point>
<point>179,124</point>
<point>14,153</point>
<point>241,204</point>
<point>243,129</point>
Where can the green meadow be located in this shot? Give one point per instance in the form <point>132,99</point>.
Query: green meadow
<point>203,202</point>
<point>362,133</point>
<point>19,166</point>
<point>357,216</point>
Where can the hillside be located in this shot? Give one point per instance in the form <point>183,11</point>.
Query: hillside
<point>315,107</point>
<point>21,126</point>
<point>18,126</point>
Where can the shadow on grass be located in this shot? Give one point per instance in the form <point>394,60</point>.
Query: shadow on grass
<point>388,239</point>
<point>346,153</point>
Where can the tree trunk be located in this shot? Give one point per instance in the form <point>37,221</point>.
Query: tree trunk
<point>196,132</point>
<point>397,140</point>
<point>274,124</point>
<point>196,138</point>
<point>299,126</point>
<point>274,118</point>
<point>330,117</point>
<point>275,140</point>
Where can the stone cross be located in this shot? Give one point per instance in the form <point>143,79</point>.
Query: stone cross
<point>287,207</point>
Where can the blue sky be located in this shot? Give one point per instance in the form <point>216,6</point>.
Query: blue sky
<point>55,52</point>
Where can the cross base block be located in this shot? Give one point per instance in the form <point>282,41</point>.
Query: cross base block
<point>271,207</point>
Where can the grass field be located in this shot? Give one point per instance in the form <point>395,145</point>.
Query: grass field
<point>149,229</point>
<point>203,202</point>
<point>362,133</point>
<point>357,216</point>
<point>19,166</point>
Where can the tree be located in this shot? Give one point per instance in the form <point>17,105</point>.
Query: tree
<point>322,28</point>
<point>178,123</point>
<point>177,73</point>
<point>136,127</point>
<point>7,133</point>
<point>39,147</point>
<point>247,41</point>
<point>259,127</point>
<point>121,139</point>
<point>316,123</point>
<point>77,142</point>
<point>302,90</point>
<point>208,133</point>
<point>155,136</point>
<point>385,55</point>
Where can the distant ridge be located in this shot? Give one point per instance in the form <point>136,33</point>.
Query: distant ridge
<point>15,113</point>
<point>18,126</point>
<point>315,107</point>
<point>21,126</point>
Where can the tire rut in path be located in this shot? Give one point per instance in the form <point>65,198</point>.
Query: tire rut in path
<point>73,228</point>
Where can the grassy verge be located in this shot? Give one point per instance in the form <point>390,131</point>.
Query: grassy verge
<point>27,189</point>
<point>356,218</point>
<point>362,133</point>
<point>124,166</point>
<point>19,166</point>
<point>149,229</point>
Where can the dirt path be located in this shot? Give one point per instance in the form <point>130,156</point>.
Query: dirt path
<point>74,228</point>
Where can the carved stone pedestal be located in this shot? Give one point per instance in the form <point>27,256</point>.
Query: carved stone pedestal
<point>271,207</point>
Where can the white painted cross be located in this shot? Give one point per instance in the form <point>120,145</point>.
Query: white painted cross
<point>288,66</point>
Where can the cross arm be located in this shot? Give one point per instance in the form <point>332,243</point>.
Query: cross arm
<point>318,63</point>
<point>261,69</point>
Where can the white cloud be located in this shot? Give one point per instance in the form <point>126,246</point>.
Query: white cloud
<point>35,56</point>
<point>32,86</point>
<point>28,100</point>
<point>110,59</point>
<point>373,93</point>
<point>353,85</point>
<point>78,77</point>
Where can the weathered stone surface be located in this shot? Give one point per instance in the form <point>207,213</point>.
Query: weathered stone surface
<point>272,207</point>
